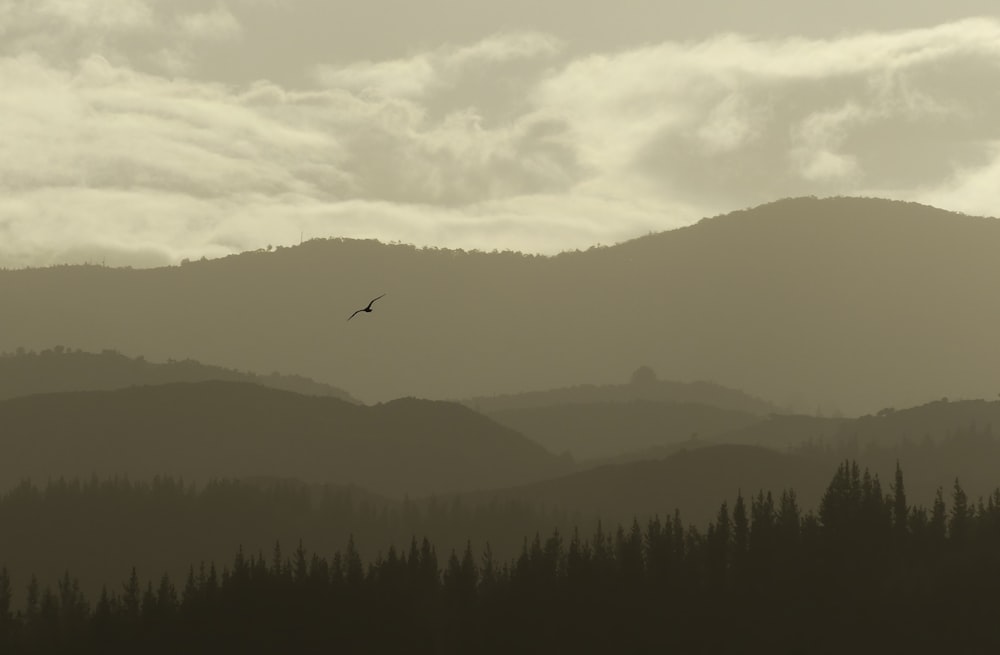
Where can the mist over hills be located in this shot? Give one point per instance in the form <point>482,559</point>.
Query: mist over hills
<point>693,481</point>
<point>695,476</point>
<point>846,303</point>
<point>211,430</point>
<point>595,430</point>
<point>644,386</point>
<point>930,422</point>
<point>56,369</point>
<point>602,421</point>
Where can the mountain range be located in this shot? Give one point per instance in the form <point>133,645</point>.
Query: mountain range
<point>848,304</point>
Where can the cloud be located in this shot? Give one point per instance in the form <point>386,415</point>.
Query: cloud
<point>423,73</point>
<point>216,24</point>
<point>109,15</point>
<point>713,118</point>
<point>971,189</point>
<point>730,125</point>
<point>818,138</point>
<point>505,142</point>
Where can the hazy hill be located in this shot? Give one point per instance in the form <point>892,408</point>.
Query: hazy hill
<point>58,369</point>
<point>595,430</point>
<point>226,429</point>
<point>854,304</point>
<point>933,421</point>
<point>695,481</point>
<point>651,390</point>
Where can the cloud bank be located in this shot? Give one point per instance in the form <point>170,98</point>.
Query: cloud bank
<point>130,155</point>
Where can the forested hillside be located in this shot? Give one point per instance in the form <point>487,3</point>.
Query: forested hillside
<point>866,572</point>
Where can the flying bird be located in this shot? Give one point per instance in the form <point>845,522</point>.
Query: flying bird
<point>366,309</point>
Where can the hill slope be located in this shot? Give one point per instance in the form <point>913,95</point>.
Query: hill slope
<point>596,430</point>
<point>58,369</point>
<point>849,303</point>
<point>695,481</point>
<point>653,390</point>
<point>932,422</point>
<point>224,429</point>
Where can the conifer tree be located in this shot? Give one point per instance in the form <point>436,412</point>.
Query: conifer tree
<point>132,596</point>
<point>5,597</point>
<point>741,531</point>
<point>6,615</point>
<point>900,510</point>
<point>937,528</point>
<point>488,575</point>
<point>961,515</point>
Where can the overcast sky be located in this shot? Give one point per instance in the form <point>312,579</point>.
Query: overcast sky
<point>140,132</point>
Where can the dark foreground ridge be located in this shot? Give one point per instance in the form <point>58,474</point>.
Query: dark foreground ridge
<point>212,430</point>
<point>866,573</point>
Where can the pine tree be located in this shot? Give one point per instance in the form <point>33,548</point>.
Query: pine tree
<point>720,546</point>
<point>900,510</point>
<point>937,527</point>
<point>5,597</point>
<point>73,608</point>
<point>741,533</point>
<point>354,568</point>
<point>166,597</point>
<point>32,601</point>
<point>300,565</point>
<point>132,597</point>
<point>6,617</point>
<point>488,575</point>
<point>961,516</point>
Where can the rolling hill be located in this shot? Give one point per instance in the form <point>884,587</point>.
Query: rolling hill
<point>58,369</point>
<point>933,422</point>
<point>597,430</point>
<point>645,390</point>
<point>847,303</point>
<point>213,430</point>
<point>694,481</point>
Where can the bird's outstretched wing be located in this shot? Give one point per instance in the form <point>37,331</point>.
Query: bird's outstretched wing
<point>355,314</point>
<point>373,302</point>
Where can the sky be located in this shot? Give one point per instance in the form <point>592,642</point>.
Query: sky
<point>143,132</point>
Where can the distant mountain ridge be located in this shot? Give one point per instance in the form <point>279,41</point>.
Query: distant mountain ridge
<point>601,430</point>
<point>846,303</point>
<point>653,390</point>
<point>933,422</point>
<point>59,369</point>
<point>209,430</point>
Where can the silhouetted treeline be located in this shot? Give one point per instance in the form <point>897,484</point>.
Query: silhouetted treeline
<point>932,459</point>
<point>867,572</point>
<point>162,525</point>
